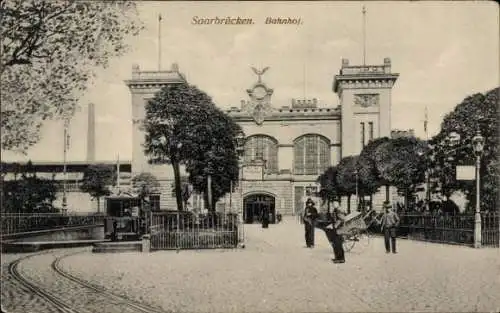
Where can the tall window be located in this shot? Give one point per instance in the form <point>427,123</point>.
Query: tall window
<point>299,195</point>
<point>260,147</point>
<point>362,124</point>
<point>370,130</point>
<point>311,155</point>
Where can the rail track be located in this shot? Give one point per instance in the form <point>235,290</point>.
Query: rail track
<point>65,304</point>
<point>34,288</point>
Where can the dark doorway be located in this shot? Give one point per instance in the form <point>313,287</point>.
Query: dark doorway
<point>255,204</point>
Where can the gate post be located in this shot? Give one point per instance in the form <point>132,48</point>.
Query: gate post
<point>146,243</point>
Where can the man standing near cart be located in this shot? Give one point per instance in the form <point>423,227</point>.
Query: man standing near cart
<point>310,216</point>
<point>389,223</point>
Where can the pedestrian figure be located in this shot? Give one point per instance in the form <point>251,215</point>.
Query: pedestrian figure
<point>334,221</point>
<point>278,217</point>
<point>114,235</point>
<point>389,224</point>
<point>310,216</point>
<point>265,217</point>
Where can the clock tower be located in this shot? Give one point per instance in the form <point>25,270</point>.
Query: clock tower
<point>365,98</point>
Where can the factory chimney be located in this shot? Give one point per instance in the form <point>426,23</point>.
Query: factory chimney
<point>91,134</point>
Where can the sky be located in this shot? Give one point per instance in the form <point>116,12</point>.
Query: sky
<point>443,51</point>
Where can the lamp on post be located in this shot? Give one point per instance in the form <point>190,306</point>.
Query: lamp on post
<point>357,192</point>
<point>478,145</point>
<point>240,148</point>
<point>65,152</point>
<point>428,158</point>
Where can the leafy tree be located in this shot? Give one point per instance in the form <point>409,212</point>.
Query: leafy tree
<point>479,111</point>
<point>368,175</point>
<point>346,177</point>
<point>146,183</point>
<point>49,52</point>
<point>380,155</point>
<point>328,182</point>
<point>220,161</point>
<point>97,180</point>
<point>177,127</point>
<point>28,193</point>
<point>217,157</point>
<point>405,168</point>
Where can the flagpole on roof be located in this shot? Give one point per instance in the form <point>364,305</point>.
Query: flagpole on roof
<point>159,42</point>
<point>364,34</point>
<point>118,172</point>
<point>425,124</point>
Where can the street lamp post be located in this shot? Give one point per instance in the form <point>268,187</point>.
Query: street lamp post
<point>65,178</point>
<point>357,192</point>
<point>478,144</point>
<point>427,155</point>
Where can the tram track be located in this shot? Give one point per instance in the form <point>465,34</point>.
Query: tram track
<point>37,290</point>
<point>101,290</point>
<point>68,299</point>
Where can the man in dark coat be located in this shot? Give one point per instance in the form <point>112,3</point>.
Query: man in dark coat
<point>335,221</point>
<point>265,217</point>
<point>310,216</point>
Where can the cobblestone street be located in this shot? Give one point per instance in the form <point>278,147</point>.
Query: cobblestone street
<point>275,273</point>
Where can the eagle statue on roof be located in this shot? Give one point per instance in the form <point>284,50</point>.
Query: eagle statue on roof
<point>259,73</point>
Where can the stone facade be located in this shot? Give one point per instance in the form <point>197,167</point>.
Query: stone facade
<point>287,145</point>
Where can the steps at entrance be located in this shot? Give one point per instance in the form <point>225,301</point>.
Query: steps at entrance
<point>117,247</point>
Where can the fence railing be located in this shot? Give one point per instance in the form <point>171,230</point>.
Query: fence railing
<point>13,223</point>
<point>186,230</point>
<point>452,229</point>
<point>490,234</point>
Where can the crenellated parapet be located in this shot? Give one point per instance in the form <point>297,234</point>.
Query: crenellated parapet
<point>155,79</point>
<point>364,76</point>
<point>290,113</point>
<point>304,103</point>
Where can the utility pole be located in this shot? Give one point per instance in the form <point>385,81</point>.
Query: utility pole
<point>65,152</point>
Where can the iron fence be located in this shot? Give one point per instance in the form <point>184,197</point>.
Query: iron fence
<point>186,230</point>
<point>490,234</point>
<point>13,223</point>
<point>451,229</point>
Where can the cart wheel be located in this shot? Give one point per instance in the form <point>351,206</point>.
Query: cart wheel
<point>364,238</point>
<point>348,242</point>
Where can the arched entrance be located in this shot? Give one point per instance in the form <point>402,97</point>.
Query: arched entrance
<point>254,206</point>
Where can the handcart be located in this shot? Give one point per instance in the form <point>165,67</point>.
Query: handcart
<point>355,229</point>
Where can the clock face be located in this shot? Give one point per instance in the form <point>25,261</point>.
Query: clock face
<point>259,92</point>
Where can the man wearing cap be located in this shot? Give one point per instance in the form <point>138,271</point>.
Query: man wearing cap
<point>389,223</point>
<point>310,216</point>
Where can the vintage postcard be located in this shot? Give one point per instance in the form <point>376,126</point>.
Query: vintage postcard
<point>234,156</point>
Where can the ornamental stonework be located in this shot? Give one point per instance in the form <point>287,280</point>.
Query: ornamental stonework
<point>259,106</point>
<point>367,100</point>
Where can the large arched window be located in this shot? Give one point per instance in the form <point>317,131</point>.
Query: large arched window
<point>261,147</point>
<point>311,155</point>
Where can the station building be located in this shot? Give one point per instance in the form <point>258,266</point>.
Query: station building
<point>288,145</point>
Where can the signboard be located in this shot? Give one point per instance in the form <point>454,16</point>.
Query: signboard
<point>466,172</point>
<point>135,211</point>
<point>252,172</point>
